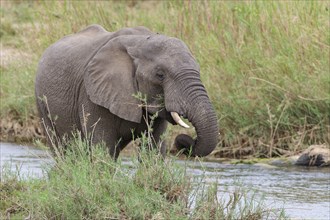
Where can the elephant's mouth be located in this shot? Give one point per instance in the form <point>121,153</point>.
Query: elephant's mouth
<point>176,117</point>
<point>172,117</point>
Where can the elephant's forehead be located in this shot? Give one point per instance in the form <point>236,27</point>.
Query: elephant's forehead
<point>182,60</point>
<point>163,43</point>
<point>174,43</point>
<point>170,50</point>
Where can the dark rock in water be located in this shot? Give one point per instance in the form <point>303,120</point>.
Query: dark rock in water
<point>315,155</point>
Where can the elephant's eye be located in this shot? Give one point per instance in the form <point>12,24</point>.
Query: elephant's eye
<point>160,75</point>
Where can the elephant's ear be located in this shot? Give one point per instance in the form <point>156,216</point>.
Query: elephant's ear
<point>110,82</point>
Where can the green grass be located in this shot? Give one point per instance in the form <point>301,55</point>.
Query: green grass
<point>88,184</point>
<point>265,64</point>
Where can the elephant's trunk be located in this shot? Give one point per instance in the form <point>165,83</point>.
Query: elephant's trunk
<point>196,106</point>
<point>204,120</point>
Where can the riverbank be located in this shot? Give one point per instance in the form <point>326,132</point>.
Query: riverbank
<point>14,128</point>
<point>265,65</point>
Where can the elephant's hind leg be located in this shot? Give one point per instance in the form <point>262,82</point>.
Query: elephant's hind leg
<point>47,124</point>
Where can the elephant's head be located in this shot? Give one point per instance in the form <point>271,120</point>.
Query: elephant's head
<point>164,70</point>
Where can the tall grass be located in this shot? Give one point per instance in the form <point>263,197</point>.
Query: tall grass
<point>265,64</point>
<point>88,184</point>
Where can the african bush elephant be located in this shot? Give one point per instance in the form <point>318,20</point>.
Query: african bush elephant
<point>97,73</point>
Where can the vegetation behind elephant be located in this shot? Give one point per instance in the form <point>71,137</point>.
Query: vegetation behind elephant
<point>97,73</point>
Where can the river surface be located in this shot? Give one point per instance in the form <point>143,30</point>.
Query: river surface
<point>303,192</point>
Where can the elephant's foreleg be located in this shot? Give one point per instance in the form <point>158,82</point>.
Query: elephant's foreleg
<point>115,149</point>
<point>159,128</point>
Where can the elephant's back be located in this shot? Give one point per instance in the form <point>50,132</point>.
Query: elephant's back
<point>63,61</point>
<point>72,50</point>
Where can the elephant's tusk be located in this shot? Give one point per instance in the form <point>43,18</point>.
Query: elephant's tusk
<point>178,120</point>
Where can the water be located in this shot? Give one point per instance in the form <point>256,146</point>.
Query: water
<point>303,192</point>
<point>25,160</point>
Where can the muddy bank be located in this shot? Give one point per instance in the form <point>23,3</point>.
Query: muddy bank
<point>15,128</point>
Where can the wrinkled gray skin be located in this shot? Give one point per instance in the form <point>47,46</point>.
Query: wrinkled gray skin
<point>96,73</point>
